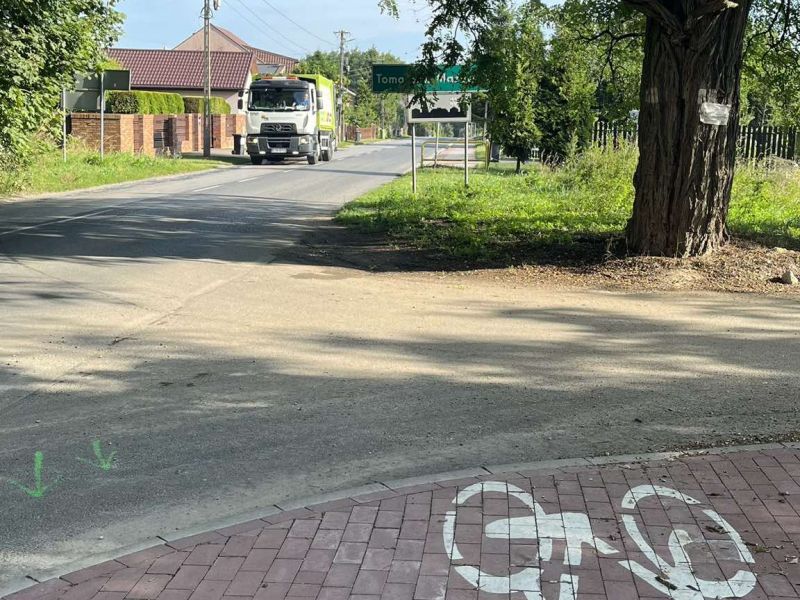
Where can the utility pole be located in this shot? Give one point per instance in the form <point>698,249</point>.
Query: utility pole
<point>64,123</point>
<point>342,42</point>
<point>102,115</point>
<point>207,83</point>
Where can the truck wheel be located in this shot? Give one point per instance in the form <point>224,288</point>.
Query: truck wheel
<point>326,155</point>
<point>256,160</point>
<point>312,159</point>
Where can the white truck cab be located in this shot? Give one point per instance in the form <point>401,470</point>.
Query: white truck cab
<point>290,117</point>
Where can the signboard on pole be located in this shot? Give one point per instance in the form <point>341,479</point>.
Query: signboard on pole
<point>446,108</point>
<point>86,94</point>
<point>397,79</point>
<point>113,79</point>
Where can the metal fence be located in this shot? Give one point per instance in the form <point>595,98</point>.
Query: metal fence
<point>754,143</point>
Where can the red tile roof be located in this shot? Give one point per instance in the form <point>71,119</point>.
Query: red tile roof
<point>262,56</point>
<point>183,69</point>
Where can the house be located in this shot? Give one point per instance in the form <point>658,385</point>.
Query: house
<point>183,72</point>
<point>222,40</point>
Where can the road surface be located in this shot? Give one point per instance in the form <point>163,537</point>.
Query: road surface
<point>220,375</point>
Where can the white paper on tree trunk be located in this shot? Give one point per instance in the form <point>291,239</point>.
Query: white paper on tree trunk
<point>712,113</point>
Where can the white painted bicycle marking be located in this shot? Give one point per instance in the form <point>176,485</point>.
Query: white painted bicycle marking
<point>677,581</point>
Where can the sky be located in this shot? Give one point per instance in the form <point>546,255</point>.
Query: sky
<point>165,23</point>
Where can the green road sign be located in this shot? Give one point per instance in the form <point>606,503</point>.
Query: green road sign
<point>396,78</point>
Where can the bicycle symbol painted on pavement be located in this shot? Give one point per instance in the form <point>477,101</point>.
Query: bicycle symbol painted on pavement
<point>676,577</point>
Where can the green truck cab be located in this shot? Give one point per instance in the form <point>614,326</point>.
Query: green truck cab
<point>291,117</point>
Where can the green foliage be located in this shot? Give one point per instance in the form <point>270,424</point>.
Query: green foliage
<point>48,173</point>
<point>124,103</point>
<point>770,84</point>
<point>599,46</point>
<point>766,205</point>
<point>558,124</point>
<point>320,63</point>
<point>590,196</point>
<point>507,61</point>
<point>144,103</point>
<point>365,108</point>
<point>42,45</point>
<point>196,104</point>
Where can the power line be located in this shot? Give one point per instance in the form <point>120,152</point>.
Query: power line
<point>296,24</point>
<point>270,27</point>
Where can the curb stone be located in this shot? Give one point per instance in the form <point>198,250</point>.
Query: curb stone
<point>98,564</point>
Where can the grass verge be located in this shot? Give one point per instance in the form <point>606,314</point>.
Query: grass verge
<point>48,173</point>
<point>590,198</point>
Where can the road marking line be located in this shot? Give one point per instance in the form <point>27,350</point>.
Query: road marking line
<point>211,187</point>
<point>248,179</point>
<point>57,221</point>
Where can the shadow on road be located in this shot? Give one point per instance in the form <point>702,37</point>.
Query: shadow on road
<point>179,227</point>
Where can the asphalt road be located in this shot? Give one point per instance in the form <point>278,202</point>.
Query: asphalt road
<point>167,321</point>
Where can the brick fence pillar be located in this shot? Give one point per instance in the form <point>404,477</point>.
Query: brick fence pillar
<point>148,147</point>
<point>123,132</point>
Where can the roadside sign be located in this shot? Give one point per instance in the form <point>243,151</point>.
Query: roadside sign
<point>82,101</point>
<point>446,108</point>
<point>115,79</point>
<point>86,94</point>
<point>397,79</point>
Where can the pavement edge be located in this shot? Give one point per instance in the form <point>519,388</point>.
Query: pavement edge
<point>365,493</point>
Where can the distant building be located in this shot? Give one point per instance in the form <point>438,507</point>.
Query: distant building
<point>222,40</point>
<point>182,72</point>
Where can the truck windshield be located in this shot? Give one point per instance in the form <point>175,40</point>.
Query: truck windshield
<point>280,99</point>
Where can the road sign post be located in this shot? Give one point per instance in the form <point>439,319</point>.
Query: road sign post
<point>102,116</point>
<point>64,123</point>
<point>414,158</point>
<point>466,154</point>
<point>436,151</point>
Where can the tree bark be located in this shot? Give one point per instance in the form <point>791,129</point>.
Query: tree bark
<point>690,79</point>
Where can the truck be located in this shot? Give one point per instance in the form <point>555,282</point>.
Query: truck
<point>291,117</point>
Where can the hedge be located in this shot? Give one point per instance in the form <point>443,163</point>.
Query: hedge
<point>144,103</point>
<point>196,104</point>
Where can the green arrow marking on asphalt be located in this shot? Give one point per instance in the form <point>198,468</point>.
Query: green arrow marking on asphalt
<point>40,489</point>
<point>106,463</point>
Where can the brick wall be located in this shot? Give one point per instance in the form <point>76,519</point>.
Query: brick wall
<point>118,131</point>
<point>134,133</point>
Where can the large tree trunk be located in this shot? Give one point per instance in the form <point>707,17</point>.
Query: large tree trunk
<point>690,80</point>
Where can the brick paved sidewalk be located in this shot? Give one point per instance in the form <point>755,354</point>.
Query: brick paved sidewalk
<point>721,525</point>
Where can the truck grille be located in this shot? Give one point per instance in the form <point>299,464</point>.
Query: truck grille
<point>281,128</point>
<point>279,142</point>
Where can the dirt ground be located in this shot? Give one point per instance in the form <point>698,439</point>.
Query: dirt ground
<point>742,266</point>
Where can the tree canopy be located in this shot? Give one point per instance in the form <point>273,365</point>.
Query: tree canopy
<point>43,44</point>
<point>507,62</point>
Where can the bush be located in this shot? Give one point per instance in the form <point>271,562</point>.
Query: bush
<point>196,104</point>
<point>144,103</point>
